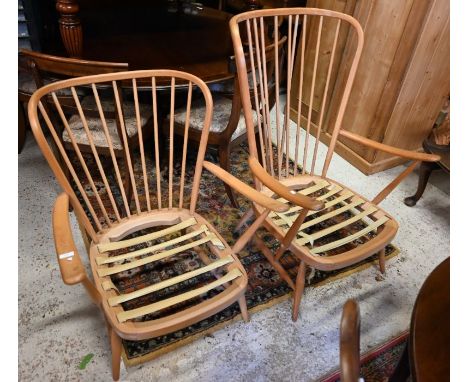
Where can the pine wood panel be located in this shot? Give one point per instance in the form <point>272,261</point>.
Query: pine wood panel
<point>383,23</point>
<point>425,84</point>
<point>402,80</point>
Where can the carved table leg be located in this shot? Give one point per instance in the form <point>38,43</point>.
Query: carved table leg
<point>424,172</point>
<point>70,27</point>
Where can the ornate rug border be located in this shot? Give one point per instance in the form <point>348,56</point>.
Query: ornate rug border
<point>373,353</point>
<point>184,341</point>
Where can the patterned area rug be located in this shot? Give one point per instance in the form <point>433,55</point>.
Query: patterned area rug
<point>265,287</point>
<point>378,364</point>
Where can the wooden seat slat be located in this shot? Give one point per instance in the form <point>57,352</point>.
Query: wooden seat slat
<point>335,227</point>
<point>321,183</point>
<point>100,260</point>
<point>115,300</point>
<point>106,271</point>
<point>134,313</point>
<point>350,238</point>
<point>326,216</point>
<point>290,219</point>
<point>141,239</point>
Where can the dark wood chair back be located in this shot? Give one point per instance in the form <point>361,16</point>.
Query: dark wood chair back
<point>349,342</point>
<point>46,68</point>
<point>55,66</point>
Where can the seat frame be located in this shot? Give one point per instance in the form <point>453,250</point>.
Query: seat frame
<point>148,329</point>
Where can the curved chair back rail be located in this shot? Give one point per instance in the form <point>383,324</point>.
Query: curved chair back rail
<point>67,164</point>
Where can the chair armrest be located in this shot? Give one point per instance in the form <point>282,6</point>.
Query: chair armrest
<point>69,260</point>
<point>414,155</point>
<point>281,190</point>
<point>244,189</point>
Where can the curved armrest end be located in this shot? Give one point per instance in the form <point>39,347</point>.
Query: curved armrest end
<point>244,189</point>
<point>414,155</point>
<point>281,190</point>
<point>69,260</point>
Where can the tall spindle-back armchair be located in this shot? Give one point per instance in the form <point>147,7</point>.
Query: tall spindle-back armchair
<point>328,226</point>
<point>133,237</point>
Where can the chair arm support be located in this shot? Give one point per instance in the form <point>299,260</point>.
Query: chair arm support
<point>281,190</point>
<point>414,155</point>
<point>71,267</point>
<point>249,192</point>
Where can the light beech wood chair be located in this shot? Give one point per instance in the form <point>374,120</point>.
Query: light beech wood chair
<point>328,226</point>
<point>149,229</point>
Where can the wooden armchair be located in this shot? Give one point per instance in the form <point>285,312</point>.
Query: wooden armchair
<point>132,239</point>
<point>328,226</point>
<point>228,128</point>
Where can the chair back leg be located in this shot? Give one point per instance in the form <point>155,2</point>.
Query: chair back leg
<point>243,308</point>
<point>224,153</point>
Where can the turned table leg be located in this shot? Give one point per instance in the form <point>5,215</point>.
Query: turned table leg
<point>424,172</point>
<point>70,27</point>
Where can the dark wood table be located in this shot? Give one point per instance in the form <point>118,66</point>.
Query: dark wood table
<point>427,354</point>
<point>152,35</point>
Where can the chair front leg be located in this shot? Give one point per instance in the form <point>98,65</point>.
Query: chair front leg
<point>382,260</point>
<point>116,349</point>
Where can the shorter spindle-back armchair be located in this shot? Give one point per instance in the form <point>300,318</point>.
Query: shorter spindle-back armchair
<point>134,237</point>
<point>328,226</point>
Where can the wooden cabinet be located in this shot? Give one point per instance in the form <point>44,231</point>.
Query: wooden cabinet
<point>402,81</point>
